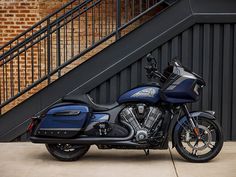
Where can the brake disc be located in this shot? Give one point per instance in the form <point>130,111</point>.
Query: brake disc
<point>206,134</point>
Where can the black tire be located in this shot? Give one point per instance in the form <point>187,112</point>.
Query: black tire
<point>60,152</point>
<point>201,158</point>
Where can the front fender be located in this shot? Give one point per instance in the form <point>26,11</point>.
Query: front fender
<point>206,114</point>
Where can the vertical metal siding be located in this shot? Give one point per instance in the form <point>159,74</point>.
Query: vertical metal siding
<point>209,50</point>
<point>233,123</point>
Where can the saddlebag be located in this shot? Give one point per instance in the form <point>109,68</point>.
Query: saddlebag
<point>63,120</point>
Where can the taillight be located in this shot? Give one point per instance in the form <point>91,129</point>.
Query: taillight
<point>31,126</point>
<point>33,123</point>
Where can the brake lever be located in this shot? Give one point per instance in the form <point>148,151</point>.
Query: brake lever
<point>160,75</point>
<point>156,74</point>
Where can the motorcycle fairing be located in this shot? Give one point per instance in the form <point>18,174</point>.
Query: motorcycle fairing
<point>183,92</point>
<point>181,87</point>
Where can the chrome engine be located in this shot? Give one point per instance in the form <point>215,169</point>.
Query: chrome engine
<point>142,118</point>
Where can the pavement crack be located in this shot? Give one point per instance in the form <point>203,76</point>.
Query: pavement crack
<point>173,163</point>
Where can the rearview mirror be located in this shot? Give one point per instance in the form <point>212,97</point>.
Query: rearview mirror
<point>150,58</point>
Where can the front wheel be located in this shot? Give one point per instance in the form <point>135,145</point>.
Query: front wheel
<point>190,147</point>
<point>67,152</point>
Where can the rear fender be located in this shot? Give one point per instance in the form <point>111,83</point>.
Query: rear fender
<point>206,114</point>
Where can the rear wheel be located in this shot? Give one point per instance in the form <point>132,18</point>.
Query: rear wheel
<point>194,149</point>
<point>67,152</point>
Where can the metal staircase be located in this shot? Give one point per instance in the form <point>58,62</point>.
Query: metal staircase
<point>50,49</point>
<point>44,51</point>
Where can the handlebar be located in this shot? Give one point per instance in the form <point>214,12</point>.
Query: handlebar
<point>152,71</point>
<point>151,68</point>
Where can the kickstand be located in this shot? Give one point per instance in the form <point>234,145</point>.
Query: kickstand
<point>146,151</point>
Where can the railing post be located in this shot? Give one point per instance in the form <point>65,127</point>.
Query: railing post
<point>48,51</point>
<point>58,49</point>
<point>118,18</point>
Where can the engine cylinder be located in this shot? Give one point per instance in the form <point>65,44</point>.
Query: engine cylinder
<point>153,116</point>
<point>129,116</point>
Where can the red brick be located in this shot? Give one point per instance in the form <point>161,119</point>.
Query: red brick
<point>8,23</point>
<point>3,11</point>
<point>15,27</point>
<point>25,4</point>
<point>24,11</point>
<point>9,15</point>
<point>31,15</point>
<point>13,11</point>
<point>20,15</point>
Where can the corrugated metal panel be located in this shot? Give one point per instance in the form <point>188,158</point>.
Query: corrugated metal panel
<point>209,50</point>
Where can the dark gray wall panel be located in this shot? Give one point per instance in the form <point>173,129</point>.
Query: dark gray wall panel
<point>233,123</point>
<point>207,49</point>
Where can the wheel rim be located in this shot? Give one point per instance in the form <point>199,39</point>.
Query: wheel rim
<point>203,147</point>
<point>68,148</point>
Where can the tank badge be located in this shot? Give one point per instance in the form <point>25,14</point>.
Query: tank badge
<point>148,92</point>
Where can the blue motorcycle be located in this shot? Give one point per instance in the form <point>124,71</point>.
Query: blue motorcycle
<point>145,117</point>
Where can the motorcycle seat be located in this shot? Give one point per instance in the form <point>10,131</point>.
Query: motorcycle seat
<point>85,98</point>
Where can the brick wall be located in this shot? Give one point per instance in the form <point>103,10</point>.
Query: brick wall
<point>16,16</point>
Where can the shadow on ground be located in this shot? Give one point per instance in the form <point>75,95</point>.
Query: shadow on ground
<point>112,156</point>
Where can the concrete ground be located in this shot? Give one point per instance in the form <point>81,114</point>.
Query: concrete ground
<point>33,160</point>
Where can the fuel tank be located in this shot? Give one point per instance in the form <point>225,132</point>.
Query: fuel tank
<point>141,94</point>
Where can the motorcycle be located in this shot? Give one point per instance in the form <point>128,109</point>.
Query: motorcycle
<point>145,117</point>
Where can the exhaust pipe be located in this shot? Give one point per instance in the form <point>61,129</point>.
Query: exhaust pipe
<point>90,141</point>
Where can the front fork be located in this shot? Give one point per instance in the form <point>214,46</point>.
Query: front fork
<point>193,123</point>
